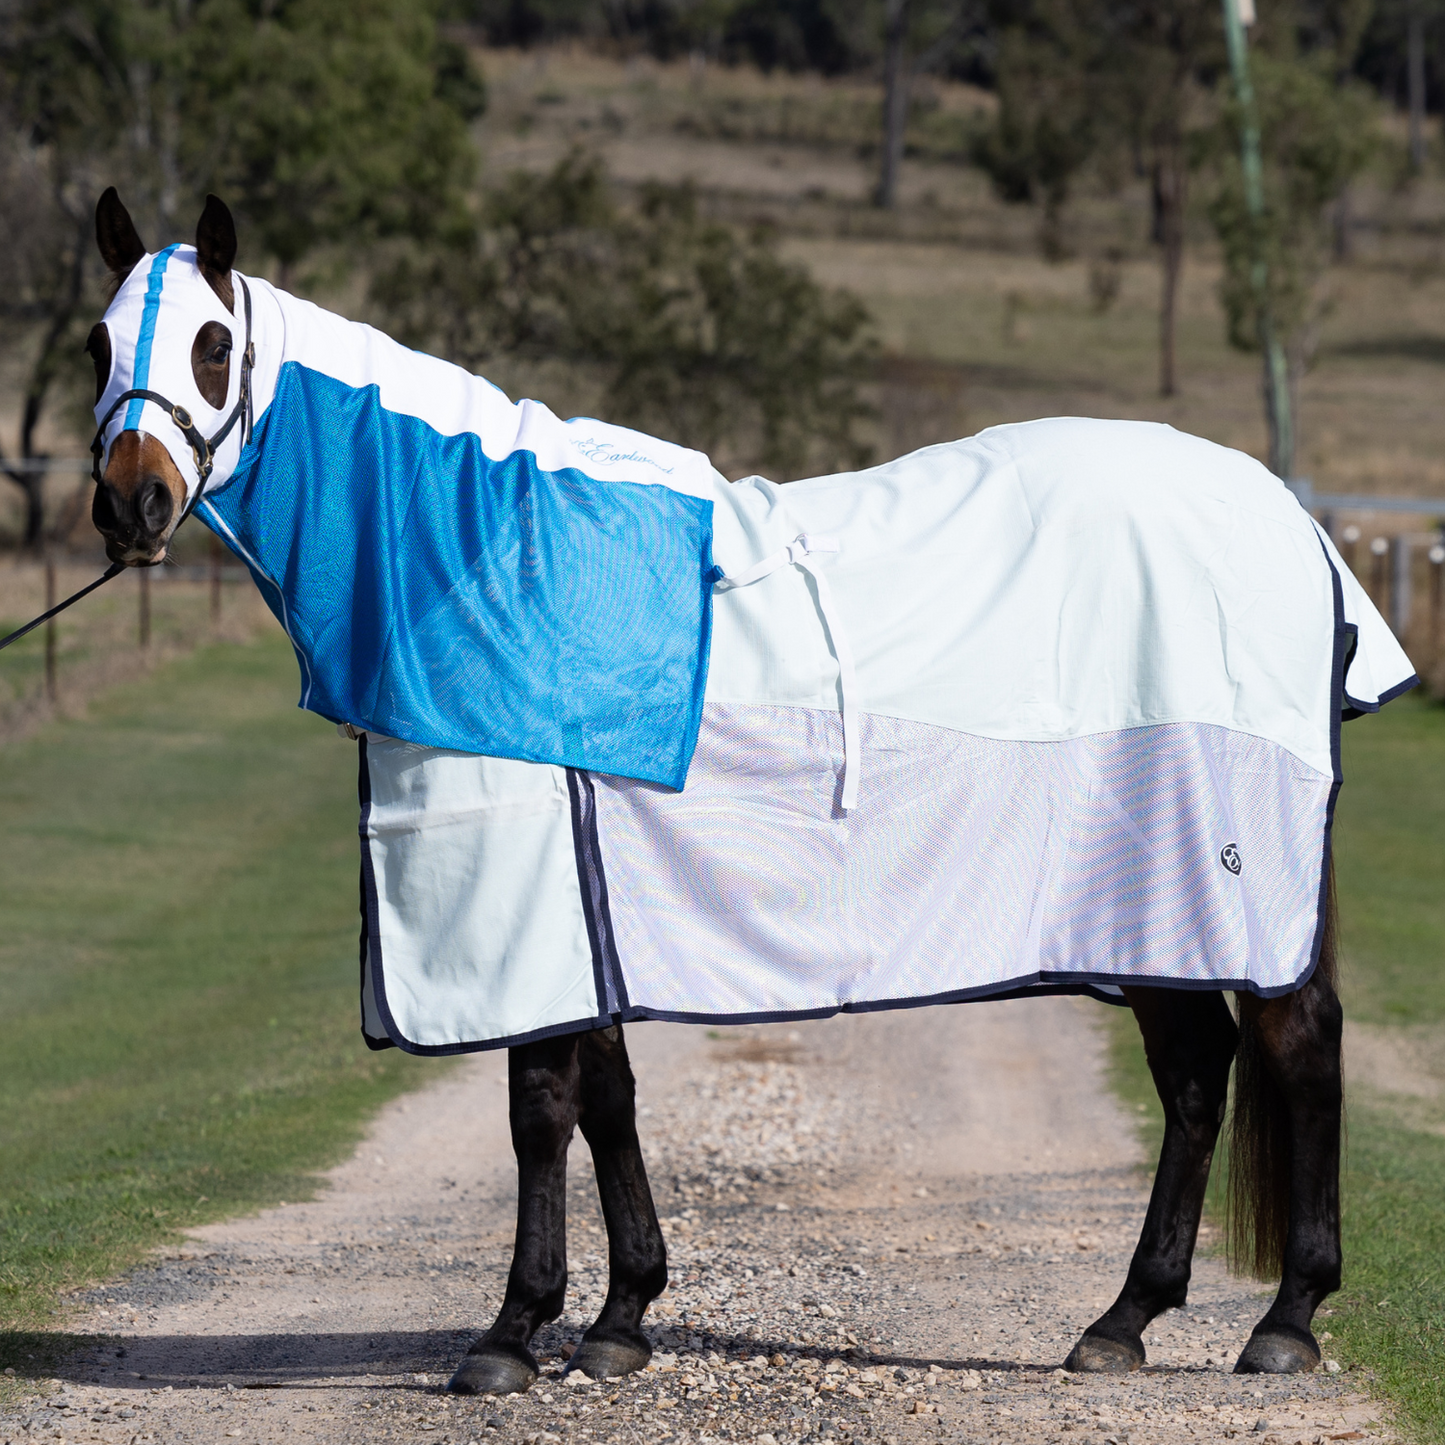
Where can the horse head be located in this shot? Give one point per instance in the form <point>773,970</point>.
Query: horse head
<point>169,389</point>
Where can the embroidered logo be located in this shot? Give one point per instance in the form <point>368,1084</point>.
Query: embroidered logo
<point>1229,856</point>
<point>606,453</point>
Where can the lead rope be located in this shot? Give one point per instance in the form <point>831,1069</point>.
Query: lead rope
<point>796,554</point>
<point>114,570</point>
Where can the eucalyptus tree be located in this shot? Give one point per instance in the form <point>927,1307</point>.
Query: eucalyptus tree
<point>1317,133</point>
<point>1118,83</point>
<point>324,123</point>
<point>679,325</point>
<point>901,39</point>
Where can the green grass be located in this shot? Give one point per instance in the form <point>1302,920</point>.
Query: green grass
<point>1390,850</point>
<point>1389,1317</point>
<point>178,971</point>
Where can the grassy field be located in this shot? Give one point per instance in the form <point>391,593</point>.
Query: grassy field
<point>1389,1318</point>
<point>177,971</point>
<point>977,326</point>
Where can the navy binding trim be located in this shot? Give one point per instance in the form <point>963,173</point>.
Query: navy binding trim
<point>370,912</point>
<point>1360,709</point>
<point>612,1000</point>
<point>1038,985</point>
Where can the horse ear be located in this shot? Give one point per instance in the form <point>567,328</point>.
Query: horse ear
<point>216,248</point>
<point>115,234</point>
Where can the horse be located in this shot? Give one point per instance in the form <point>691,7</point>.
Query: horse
<point>446,669</point>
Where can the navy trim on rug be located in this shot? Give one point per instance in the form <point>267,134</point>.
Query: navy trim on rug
<point>370,914</point>
<point>592,880</point>
<point>1040,985</point>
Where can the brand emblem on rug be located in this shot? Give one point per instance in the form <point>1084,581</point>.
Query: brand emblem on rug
<point>1229,856</point>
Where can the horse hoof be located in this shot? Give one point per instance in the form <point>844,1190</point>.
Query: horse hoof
<point>606,1359</point>
<point>1095,1355</point>
<point>1279,1350</point>
<point>490,1371</point>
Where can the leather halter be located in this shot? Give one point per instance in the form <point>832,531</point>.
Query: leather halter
<point>203,449</point>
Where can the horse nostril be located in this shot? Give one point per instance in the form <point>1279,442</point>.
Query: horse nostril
<point>154,505</point>
<point>103,510</point>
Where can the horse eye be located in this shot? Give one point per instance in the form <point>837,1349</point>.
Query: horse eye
<point>219,355</point>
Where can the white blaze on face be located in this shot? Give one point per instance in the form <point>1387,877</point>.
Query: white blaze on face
<point>152,323</point>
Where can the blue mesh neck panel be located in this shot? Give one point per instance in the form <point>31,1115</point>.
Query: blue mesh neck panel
<point>436,595</point>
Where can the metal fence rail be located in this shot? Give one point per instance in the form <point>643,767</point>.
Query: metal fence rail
<point>1313,501</point>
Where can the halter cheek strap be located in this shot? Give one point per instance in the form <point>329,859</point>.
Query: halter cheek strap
<point>203,448</point>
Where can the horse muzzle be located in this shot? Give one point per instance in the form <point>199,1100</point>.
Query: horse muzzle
<point>136,504</point>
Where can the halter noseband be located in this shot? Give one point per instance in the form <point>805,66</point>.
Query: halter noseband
<point>203,449</point>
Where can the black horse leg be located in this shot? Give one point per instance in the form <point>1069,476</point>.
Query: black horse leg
<point>1189,1039</point>
<point>637,1255</point>
<point>545,1097</point>
<point>1299,1039</point>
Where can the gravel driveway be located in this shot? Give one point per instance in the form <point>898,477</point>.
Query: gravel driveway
<point>887,1228</point>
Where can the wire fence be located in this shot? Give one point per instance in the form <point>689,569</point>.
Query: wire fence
<point>142,618</point>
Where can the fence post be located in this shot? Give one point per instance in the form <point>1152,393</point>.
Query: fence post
<point>1379,573</point>
<point>51,686</point>
<point>1348,538</point>
<point>1400,585</point>
<point>145,605</point>
<point>1437,595</point>
<point>215,579</point>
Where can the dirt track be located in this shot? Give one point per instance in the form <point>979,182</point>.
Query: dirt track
<point>886,1228</point>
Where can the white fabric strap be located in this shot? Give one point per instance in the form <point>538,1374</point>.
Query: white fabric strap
<point>796,553</point>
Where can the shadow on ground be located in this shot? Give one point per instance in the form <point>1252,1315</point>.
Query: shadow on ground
<point>392,1359</point>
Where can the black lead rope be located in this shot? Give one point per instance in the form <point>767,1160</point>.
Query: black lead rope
<point>114,570</point>
<point>202,448</point>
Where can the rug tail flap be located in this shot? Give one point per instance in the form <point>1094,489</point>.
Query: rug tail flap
<point>1379,668</point>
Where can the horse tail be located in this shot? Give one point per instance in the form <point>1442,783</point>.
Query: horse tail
<point>1259,1144</point>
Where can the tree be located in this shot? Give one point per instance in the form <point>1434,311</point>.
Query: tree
<point>1047,123</point>
<point>691,331</point>
<point>904,39</point>
<point>1159,53</point>
<point>1316,134</point>
<point>1399,54</point>
<point>320,120</point>
<point>1080,80</point>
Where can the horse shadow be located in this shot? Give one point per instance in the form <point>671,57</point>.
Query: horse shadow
<point>391,1359</point>
<point>416,1360</point>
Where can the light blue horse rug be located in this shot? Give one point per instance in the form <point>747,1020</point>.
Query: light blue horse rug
<point>1055,708</point>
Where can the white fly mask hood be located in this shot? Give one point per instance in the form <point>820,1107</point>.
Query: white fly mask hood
<point>152,324</point>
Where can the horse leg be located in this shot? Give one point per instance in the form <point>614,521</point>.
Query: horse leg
<point>544,1081</point>
<point>1189,1039</point>
<point>637,1255</point>
<point>1286,1162</point>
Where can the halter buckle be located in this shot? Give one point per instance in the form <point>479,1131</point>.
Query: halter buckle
<point>181,417</point>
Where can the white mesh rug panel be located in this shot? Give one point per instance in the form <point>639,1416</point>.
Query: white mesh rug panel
<point>971,865</point>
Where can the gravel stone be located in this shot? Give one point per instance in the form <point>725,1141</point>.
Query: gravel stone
<point>886,1229</point>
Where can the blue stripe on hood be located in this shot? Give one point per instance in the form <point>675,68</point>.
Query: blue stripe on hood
<point>141,372</point>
